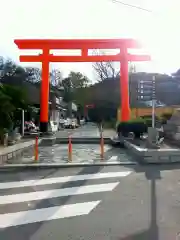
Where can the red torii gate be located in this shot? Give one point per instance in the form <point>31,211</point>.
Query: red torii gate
<point>87,106</point>
<point>84,45</point>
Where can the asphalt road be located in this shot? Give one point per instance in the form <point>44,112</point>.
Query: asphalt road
<point>92,203</point>
<point>87,130</point>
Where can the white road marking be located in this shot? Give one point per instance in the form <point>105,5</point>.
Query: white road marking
<point>46,214</point>
<point>37,182</point>
<point>106,148</point>
<point>113,158</point>
<point>47,194</point>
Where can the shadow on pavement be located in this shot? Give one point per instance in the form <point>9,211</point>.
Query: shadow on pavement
<point>155,167</point>
<point>28,232</point>
<point>152,233</point>
<point>152,173</point>
<point>120,154</point>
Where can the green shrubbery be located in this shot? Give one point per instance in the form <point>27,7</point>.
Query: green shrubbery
<point>11,99</point>
<point>140,125</point>
<point>137,126</point>
<point>165,117</point>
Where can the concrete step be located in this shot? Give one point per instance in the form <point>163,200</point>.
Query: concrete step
<point>83,140</point>
<point>80,140</point>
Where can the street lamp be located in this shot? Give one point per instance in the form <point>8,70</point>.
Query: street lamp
<point>22,125</point>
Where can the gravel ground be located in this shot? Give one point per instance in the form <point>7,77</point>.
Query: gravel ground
<point>80,153</point>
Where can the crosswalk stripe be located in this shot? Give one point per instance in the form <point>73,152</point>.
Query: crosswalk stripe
<point>37,182</point>
<point>113,158</point>
<point>23,215</point>
<point>47,194</point>
<point>46,214</point>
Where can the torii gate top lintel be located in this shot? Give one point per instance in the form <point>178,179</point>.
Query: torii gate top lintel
<point>76,43</point>
<point>82,44</point>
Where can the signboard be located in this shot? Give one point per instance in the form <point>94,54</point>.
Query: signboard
<point>146,89</point>
<point>146,92</point>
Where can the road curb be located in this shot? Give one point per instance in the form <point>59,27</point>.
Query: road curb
<point>64,165</point>
<point>153,156</point>
<point>75,140</point>
<point>16,150</point>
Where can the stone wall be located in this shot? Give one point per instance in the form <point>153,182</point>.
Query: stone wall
<point>144,155</point>
<point>15,151</point>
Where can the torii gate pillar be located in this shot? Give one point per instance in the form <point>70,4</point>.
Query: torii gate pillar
<point>44,96</point>
<point>124,87</point>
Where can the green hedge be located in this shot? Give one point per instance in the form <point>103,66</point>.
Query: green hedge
<point>165,117</point>
<point>137,126</point>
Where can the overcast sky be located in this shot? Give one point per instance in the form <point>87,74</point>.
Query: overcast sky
<point>158,30</point>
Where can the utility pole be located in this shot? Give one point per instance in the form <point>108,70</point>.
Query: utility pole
<point>153,100</point>
<point>22,122</point>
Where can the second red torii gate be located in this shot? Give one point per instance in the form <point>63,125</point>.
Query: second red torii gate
<point>84,45</point>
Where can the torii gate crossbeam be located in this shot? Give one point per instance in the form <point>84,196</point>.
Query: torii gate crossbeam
<point>84,45</point>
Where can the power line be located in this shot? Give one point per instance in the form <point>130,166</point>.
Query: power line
<point>132,6</point>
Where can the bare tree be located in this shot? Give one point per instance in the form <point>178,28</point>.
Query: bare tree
<point>9,68</point>
<point>56,77</point>
<point>132,67</point>
<point>33,74</point>
<point>104,70</point>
